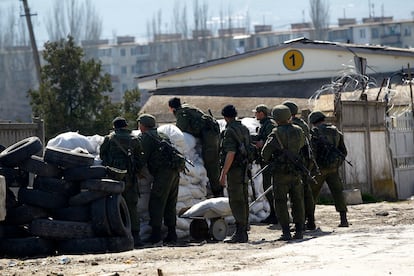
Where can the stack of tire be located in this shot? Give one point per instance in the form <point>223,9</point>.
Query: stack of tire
<point>72,206</point>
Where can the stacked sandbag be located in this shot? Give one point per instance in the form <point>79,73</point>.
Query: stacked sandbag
<point>192,184</point>
<point>71,206</point>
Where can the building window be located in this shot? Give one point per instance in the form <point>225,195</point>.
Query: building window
<point>134,69</point>
<point>124,87</point>
<point>123,52</point>
<point>407,31</point>
<point>133,51</point>
<point>124,70</point>
<point>106,68</point>
<point>362,33</point>
<point>375,33</point>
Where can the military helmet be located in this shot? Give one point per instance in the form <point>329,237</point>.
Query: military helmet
<point>262,108</point>
<point>119,122</point>
<point>147,120</point>
<point>316,116</point>
<point>229,111</point>
<point>281,113</point>
<point>292,106</point>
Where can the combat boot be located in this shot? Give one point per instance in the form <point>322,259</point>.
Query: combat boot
<point>155,235</point>
<point>285,234</point>
<point>310,224</point>
<point>171,237</point>
<point>137,239</point>
<point>344,220</point>
<point>298,231</point>
<point>244,235</point>
<point>240,236</point>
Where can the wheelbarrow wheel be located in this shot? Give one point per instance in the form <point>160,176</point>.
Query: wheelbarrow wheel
<point>199,229</point>
<point>218,229</point>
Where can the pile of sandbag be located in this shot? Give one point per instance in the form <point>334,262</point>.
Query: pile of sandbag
<point>193,183</point>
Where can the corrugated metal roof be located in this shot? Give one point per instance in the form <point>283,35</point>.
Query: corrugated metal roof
<point>157,105</point>
<point>299,42</point>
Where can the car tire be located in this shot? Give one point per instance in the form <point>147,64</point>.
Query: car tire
<point>15,154</point>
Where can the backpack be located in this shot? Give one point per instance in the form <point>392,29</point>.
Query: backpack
<point>175,159</point>
<point>246,153</point>
<point>170,155</point>
<point>201,121</point>
<point>210,123</point>
<point>327,155</point>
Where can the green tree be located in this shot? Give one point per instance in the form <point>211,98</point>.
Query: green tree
<point>72,95</point>
<point>130,105</point>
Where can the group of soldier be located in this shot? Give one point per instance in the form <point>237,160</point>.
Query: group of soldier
<point>295,162</point>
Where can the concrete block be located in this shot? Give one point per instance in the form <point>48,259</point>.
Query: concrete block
<point>353,196</point>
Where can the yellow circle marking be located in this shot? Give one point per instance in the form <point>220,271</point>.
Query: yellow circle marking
<point>293,60</point>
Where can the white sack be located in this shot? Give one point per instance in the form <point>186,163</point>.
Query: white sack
<point>72,140</point>
<point>213,207</point>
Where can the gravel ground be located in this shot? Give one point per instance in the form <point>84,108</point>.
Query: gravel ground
<point>379,241</point>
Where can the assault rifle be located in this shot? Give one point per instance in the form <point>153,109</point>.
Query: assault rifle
<point>324,141</point>
<point>166,143</point>
<point>295,160</point>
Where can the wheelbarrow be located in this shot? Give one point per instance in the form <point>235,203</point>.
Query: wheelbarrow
<point>211,225</point>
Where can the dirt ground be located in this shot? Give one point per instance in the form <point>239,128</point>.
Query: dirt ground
<point>379,241</point>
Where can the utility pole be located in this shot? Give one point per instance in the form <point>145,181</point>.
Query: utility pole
<point>32,39</point>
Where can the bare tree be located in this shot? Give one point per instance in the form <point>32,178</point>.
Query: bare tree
<point>319,13</point>
<point>77,19</point>
<point>17,74</point>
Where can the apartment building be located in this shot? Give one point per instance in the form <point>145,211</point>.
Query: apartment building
<point>124,59</point>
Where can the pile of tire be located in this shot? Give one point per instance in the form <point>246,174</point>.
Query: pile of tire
<point>70,206</point>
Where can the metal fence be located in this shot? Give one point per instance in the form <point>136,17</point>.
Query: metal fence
<point>11,133</point>
<point>401,141</point>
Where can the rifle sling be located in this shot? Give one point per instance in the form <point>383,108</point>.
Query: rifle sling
<point>120,147</point>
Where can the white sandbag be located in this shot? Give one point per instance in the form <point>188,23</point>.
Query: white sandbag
<point>197,172</point>
<point>209,208</point>
<point>182,233</point>
<point>251,123</point>
<point>175,135</point>
<point>184,193</point>
<point>253,218</point>
<point>183,224</point>
<point>256,207</point>
<point>222,123</point>
<point>197,191</point>
<point>189,143</point>
<point>262,214</point>
<point>96,142</point>
<point>72,140</point>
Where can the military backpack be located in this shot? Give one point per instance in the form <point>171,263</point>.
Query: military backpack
<point>201,121</point>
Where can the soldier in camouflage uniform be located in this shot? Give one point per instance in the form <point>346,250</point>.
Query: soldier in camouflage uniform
<point>330,151</point>
<point>307,154</point>
<point>164,191</point>
<point>233,172</point>
<point>286,139</point>
<point>121,150</point>
<point>266,126</point>
<point>189,119</point>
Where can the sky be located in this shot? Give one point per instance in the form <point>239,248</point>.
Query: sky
<point>130,17</point>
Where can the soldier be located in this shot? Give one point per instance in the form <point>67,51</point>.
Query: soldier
<point>283,146</point>
<point>164,191</point>
<point>308,159</point>
<point>194,121</point>
<point>233,172</point>
<point>330,151</point>
<point>266,126</point>
<point>121,150</point>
